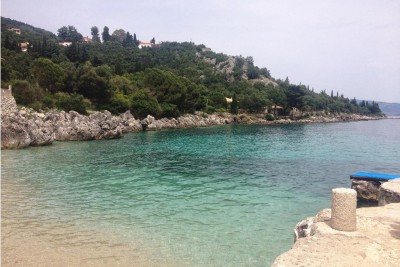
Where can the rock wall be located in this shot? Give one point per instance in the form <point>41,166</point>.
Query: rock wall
<point>8,104</point>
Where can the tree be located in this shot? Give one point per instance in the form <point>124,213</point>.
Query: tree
<point>73,102</point>
<point>95,34</point>
<point>63,33</point>
<point>47,74</point>
<point>69,34</point>
<point>93,83</point>
<point>153,41</point>
<point>119,103</point>
<point>106,34</point>
<point>24,93</point>
<point>144,104</point>
<point>119,35</point>
<point>128,39</point>
<point>135,39</point>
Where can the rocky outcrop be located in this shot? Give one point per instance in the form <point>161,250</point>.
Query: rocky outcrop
<point>307,227</point>
<point>30,128</point>
<point>129,123</point>
<point>44,128</point>
<point>40,132</point>
<point>18,131</point>
<point>389,192</point>
<point>367,191</point>
<point>14,134</point>
<point>375,243</point>
<point>73,126</point>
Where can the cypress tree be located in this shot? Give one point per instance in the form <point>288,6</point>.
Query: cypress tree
<point>106,34</point>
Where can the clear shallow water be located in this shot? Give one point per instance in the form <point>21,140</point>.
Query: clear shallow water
<point>219,196</point>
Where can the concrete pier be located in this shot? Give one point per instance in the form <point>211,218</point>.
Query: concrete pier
<point>344,204</point>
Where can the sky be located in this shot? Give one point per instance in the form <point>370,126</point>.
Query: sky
<point>350,47</point>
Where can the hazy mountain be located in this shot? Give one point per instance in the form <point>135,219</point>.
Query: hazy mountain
<point>390,109</point>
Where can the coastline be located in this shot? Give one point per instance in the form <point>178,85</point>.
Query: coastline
<point>25,127</point>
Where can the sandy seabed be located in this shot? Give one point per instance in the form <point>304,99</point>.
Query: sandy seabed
<point>35,242</point>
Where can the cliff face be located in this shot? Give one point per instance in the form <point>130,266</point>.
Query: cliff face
<point>375,243</point>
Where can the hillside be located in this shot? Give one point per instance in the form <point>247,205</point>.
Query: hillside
<point>390,109</point>
<point>66,71</point>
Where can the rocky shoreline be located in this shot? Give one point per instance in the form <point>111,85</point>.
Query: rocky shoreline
<point>25,127</point>
<point>375,242</point>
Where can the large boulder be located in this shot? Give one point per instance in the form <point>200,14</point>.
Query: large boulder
<point>14,134</point>
<point>389,192</point>
<point>73,126</point>
<point>40,133</point>
<point>146,122</point>
<point>367,191</point>
<point>109,129</point>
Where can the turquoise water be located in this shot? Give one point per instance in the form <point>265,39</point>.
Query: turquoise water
<point>218,196</point>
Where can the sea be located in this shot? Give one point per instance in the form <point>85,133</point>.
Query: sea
<point>218,196</point>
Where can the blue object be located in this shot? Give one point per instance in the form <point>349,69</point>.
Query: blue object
<point>374,176</point>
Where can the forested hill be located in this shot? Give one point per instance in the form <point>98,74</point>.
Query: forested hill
<point>117,72</point>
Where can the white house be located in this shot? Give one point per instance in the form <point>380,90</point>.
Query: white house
<point>65,43</point>
<point>24,46</point>
<point>228,99</point>
<point>144,44</point>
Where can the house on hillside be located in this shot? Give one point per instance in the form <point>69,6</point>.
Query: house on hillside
<point>65,43</point>
<point>275,110</point>
<point>144,44</point>
<point>24,46</point>
<point>228,99</point>
<point>86,40</point>
<point>15,30</point>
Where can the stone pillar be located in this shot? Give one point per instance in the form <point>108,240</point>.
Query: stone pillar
<point>344,205</point>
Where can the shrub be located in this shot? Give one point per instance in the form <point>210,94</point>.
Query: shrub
<point>25,93</point>
<point>119,103</point>
<point>270,117</point>
<point>75,102</point>
<point>169,110</point>
<point>144,104</point>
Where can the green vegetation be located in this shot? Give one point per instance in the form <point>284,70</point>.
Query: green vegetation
<point>165,80</point>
